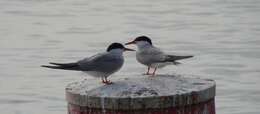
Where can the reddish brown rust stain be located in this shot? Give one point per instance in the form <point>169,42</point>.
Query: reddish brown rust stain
<point>201,108</point>
<point>194,96</point>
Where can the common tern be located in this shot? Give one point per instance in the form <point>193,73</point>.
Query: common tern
<point>151,56</point>
<point>100,65</point>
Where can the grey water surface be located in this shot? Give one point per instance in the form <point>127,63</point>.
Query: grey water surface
<point>223,35</point>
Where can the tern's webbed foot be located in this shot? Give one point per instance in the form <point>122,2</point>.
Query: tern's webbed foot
<point>149,74</point>
<point>108,82</point>
<point>105,81</point>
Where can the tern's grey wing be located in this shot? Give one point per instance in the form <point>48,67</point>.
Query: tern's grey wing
<point>150,56</point>
<point>103,62</point>
<point>157,54</point>
<point>160,56</point>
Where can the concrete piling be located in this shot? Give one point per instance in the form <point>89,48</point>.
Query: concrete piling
<point>162,94</point>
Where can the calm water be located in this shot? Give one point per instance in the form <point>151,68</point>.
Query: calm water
<point>222,34</point>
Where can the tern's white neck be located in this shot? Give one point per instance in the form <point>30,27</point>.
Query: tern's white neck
<point>143,44</point>
<point>116,51</point>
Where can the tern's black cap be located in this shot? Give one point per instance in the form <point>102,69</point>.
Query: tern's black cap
<point>115,46</point>
<point>143,38</point>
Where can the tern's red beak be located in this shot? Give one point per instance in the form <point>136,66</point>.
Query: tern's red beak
<point>133,42</point>
<point>127,49</point>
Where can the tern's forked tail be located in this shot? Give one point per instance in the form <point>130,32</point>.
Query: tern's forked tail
<point>63,66</point>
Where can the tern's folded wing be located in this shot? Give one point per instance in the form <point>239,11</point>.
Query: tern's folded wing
<point>100,61</point>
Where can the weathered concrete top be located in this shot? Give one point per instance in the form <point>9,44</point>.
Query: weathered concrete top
<point>161,91</point>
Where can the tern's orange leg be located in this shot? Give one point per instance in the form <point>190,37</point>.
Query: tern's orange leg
<point>148,69</point>
<point>154,71</point>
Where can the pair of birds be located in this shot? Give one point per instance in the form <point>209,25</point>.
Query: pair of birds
<point>104,64</point>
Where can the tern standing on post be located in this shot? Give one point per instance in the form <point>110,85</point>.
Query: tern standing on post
<point>100,65</point>
<point>153,57</point>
